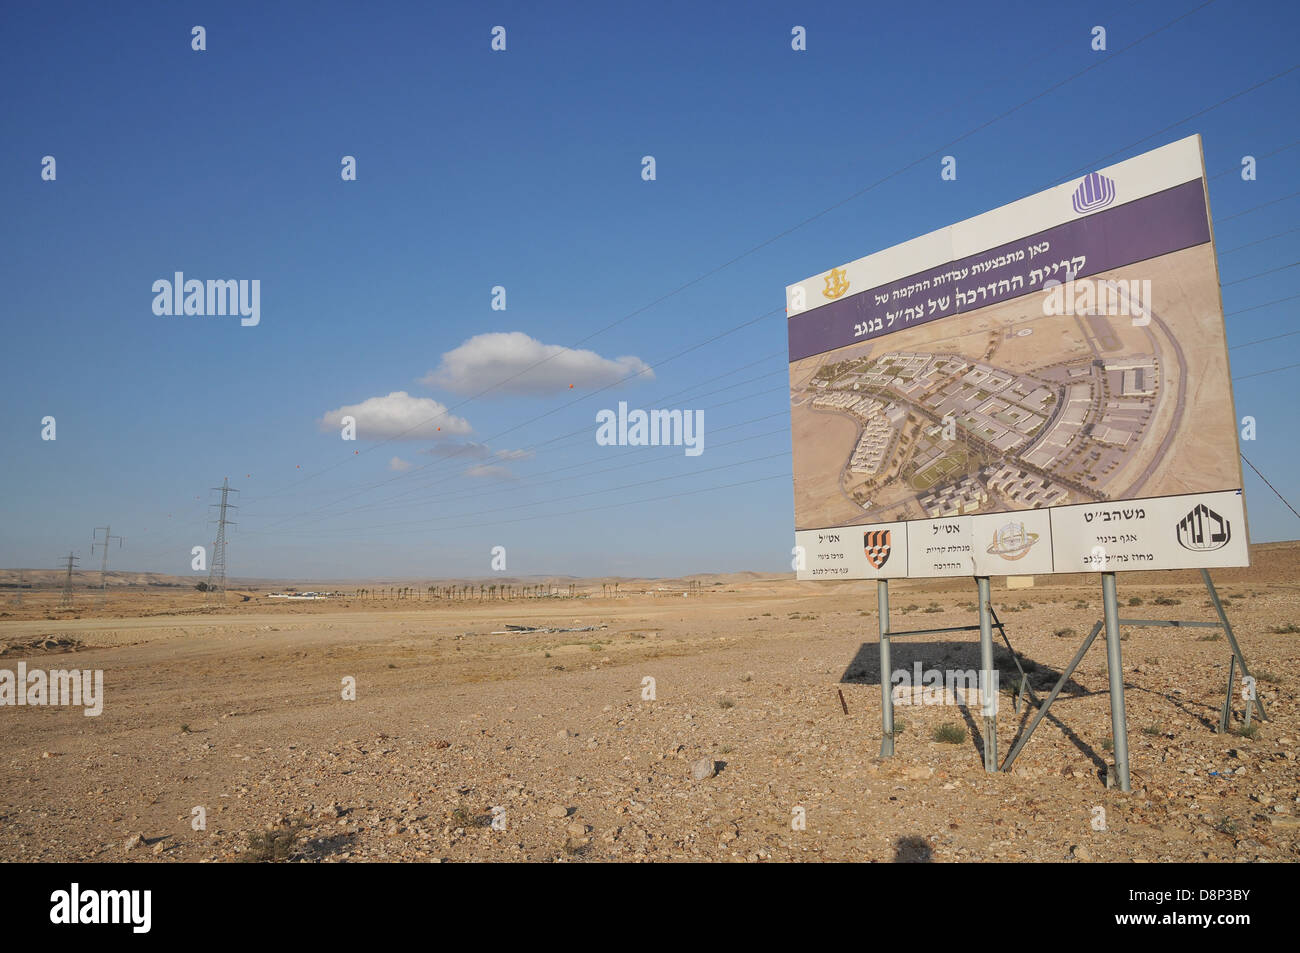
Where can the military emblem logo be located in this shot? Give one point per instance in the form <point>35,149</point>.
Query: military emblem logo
<point>1011,541</point>
<point>875,544</point>
<point>1203,530</point>
<point>836,284</point>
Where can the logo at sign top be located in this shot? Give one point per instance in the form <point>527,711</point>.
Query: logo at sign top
<point>836,284</point>
<point>875,543</point>
<point>1203,530</point>
<point>1094,192</point>
<point>1012,542</point>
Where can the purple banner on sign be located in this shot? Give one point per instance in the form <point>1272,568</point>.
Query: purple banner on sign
<point>1166,222</point>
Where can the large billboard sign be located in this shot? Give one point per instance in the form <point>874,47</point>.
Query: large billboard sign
<point>1042,388</point>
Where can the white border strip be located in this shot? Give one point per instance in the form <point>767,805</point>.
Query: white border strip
<point>1135,178</point>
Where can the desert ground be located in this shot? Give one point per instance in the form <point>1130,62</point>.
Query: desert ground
<point>239,711</point>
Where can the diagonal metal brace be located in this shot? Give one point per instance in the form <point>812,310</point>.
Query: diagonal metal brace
<point>1232,640</point>
<point>1056,690</point>
<point>1026,688</point>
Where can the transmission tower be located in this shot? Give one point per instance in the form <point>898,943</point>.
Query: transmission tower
<point>217,572</point>
<point>103,570</point>
<point>65,602</point>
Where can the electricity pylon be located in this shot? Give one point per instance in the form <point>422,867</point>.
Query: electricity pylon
<point>103,571</point>
<point>65,602</point>
<point>217,572</point>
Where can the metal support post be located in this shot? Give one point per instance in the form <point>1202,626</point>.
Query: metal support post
<point>988,678</point>
<point>1115,673</point>
<point>886,668</point>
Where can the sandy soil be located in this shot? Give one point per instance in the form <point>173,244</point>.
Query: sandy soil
<point>239,711</point>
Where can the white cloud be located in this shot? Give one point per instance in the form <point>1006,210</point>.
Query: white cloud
<point>473,450</point>
<point>507,358</point>
<point>489,471</point>
<point>469,450</point>
<point>399,415</point>
<point>400,465</point>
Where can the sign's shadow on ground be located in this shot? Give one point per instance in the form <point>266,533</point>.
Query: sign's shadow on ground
<point>864,669</point>
<point>949,656</point>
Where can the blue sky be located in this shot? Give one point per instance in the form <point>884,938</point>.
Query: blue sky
<point>523,169</point>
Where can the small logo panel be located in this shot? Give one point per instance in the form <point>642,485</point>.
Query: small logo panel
<point>875,544</point>
<point>1203,530</point>
<point>1094,192</point>
<point>1011,541</point>
<point>836,284</point>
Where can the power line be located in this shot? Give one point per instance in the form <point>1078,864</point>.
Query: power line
<point>1262,340</point>
<point>1260,241</point>
<point>1260,275</point>
<point>1262,373</point>
<point>1266,155</point>
<point>1255,208</point>
<point>1256,307</point>
<point>1269,485</point>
